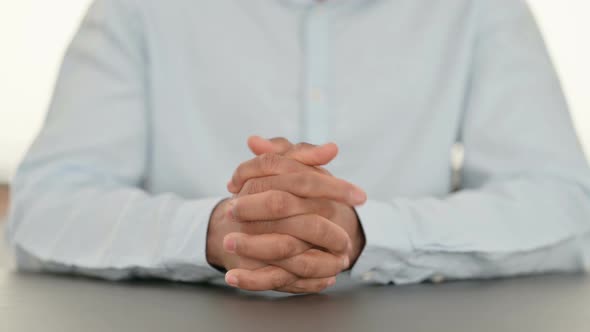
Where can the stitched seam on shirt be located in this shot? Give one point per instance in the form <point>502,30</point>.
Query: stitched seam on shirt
<point>192,230</point>
<point>67,223</point>
<point>107,251</point>
<point>157,231</point>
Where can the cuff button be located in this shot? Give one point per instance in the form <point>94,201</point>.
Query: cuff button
<point>438,279</point>
<point>367,276</point>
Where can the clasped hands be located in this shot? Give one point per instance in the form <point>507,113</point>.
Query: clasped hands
<point>290,225</point>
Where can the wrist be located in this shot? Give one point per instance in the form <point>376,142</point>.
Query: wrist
<point>358,240</point>
<point>215,234</point>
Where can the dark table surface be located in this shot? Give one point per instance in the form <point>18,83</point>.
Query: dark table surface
<point>30,302</point>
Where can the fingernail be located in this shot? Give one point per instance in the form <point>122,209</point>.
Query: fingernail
<point>357,196</point>
<point>345,262</point>
<point>230,245</point>
<point>231,280</point>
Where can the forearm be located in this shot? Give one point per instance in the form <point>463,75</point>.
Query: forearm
<point>109,231</point>
<point>518,227</point>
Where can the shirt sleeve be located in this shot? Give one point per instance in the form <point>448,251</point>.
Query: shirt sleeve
<point>523,206</point>
<point>78,203</point>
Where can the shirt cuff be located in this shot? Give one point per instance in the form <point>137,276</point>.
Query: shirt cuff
<point>387,243</point>
<point>185,253</point>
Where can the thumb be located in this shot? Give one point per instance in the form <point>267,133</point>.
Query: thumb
<point>313,155</point>
<point>259,145</point>
<point>305,153</point>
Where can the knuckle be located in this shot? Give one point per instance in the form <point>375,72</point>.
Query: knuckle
<point>327,208</point>
<point>277,279</point>
<point>342,243</point>
<point>246,189</point>
<point>281,140</point>
<point>297,147</point>
<point>269,162</point>
<point>287,248</point>
<point>307,268</point>
<point>306,182</point>
<point>253,186</point>
<point>335,236</point>
<point>238,175</point>
<point>277,203</point>
<point>319,229</point>
<point>301,146</point>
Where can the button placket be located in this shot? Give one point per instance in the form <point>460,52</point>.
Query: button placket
<point>314,117</point>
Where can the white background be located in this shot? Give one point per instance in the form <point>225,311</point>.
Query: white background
<point>34,34</point>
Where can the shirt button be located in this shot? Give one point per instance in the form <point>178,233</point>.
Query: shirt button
<point>315,95</point>
<point>438,279</point>
<point>367,276</point>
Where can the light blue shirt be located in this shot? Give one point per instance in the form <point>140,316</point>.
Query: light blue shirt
<point>155,101</point>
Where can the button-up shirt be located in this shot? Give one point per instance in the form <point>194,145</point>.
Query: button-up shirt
<point>155,101</point>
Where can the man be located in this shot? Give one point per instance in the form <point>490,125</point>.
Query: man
<point>156,99</point>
